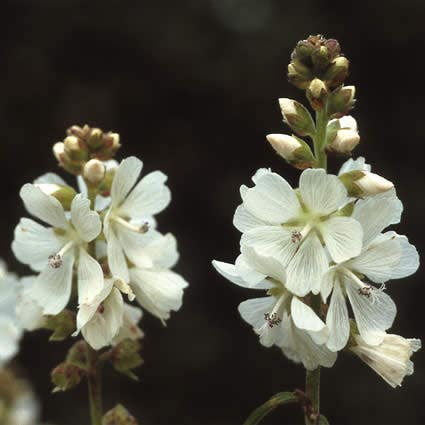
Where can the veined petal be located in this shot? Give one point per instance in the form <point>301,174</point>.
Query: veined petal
<point>125,178</point>
<point>374,313</point>
<point>34,243</point>
<point>158,291</point>
<point>100,331</point>
<point>248,273</point>
<point>343,237</point>
<point>90,278</point>
<point>230,272</point>
<point>44,207</point>
<point>267,266</point>
<point>149,197</point>
<point>377,212</point>
<point>86,221</point>
<point>272,199</point>
<point>244,221</point>
<point>116,259</point>
<point>52,287</point>
<point>337,320</point>
<point>322,193</point>
<point>304,317</point>
<point>273,241</point>
<point>352,165</point>
<point>253,312</point>
<point>306,270</point>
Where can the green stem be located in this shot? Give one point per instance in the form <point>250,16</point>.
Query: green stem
<point>320,138</point>
<point>312,391</point>
<point>94,380</point>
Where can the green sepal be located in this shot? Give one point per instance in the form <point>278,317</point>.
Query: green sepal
<point>125,357</point>
<point>347,210</point>
<point>331,131</point>
<point>77,355</point>
<point>349,179</point>
<point>303,156</point>
<point>119,415</point>
<point>62,325</point>
<point>65,376</point>
<point>277,400</point>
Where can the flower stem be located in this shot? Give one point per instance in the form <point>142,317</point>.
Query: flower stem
<point>94,380</point>
<point>312,391</point>
<point>320,138</point>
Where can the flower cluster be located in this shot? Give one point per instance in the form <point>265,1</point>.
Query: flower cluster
<point>91,250</point>
<point>321,251</point>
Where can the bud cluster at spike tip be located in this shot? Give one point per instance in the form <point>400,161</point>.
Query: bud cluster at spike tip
<point>317,58</point>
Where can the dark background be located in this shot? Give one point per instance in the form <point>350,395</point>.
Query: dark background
<point>192,88</point>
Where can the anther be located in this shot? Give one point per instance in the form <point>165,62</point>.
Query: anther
<point>101,308</point>
<point>296,236</point>
<point>144,227</point>
<point>55,261</point>
<point>366,291</point>
<point>272,319</point>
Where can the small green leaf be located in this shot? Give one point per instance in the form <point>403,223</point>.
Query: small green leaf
<point>323,420</point>
<point>278,399</point>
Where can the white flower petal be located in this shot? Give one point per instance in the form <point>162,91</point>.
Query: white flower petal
<point>304,317</point>
<point>34,243</point>
<point>9,339</point>
<point>353,165</point>
<point>125,178</point>
<point>377,212</point>
<point>273,241</point>
<point>343,237</point>
<point>158,291</point>
<point>322,193</point>
<point>50,178</point>
<point>307,268</point>
<point>86,221</point>
<point>272,199</point>
<point>374,314</point>
<point>44,207</point>
<point>230,272</point>
<point>244,221</point>
<point>100,331</point>
<point>337,320</point>
<point>29,314</point>
<point>90,278</point>
<point>52,287</point>
<point>116,259</point>
<point>149,197</point>
<point>129,328</point>
<point>253,311</point>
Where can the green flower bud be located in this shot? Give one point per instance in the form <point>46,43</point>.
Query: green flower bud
<point>316,94</point>
<point>341,101</point>
<point>297,117</point>
<point>66,376</point>
<point>77,355</point>
<point>94,171</point>
<point>337,72</point>
<point>75,148</point>
<point>119,415</point>
<point>361,184</point>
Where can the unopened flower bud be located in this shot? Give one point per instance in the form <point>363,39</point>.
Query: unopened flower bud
<point>341,101</point>
<point>299,75</point>
<point>337,72</point>
<point>95,139</point>
<point>59,151</point>
<point>119,415</point>
<point>75,148</point>
<point>64,194</point>
<point>373,184</point>
<point>297,117</point>
<point>316,94</point>
<point>284,145</point>
<point>66,376</point>
<point>361,183</point>
<point>94,171</point>
<point>390,359</point>
<point>345,141</point>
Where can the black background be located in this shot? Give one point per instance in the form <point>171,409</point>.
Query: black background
<point>192,88</point>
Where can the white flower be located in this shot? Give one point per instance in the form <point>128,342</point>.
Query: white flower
<point>101,320</point>
<point>280,318</point>
<point>29,314</point>
<point>291,225</point>
<point>53,251</point>
<point>384,256</point>
<point>127,223</point>
<point>390,359</point>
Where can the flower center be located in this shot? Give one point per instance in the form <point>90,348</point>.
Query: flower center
<point>273,318</point>
<point>56,260</point>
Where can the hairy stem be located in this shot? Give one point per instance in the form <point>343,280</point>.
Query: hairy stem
<point>94,380</point>
<point>312,391</point>
<point>320,138</point>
